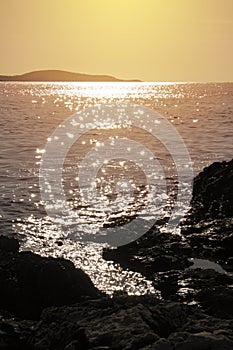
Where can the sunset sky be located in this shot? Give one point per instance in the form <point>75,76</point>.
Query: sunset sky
<point>151,40</point>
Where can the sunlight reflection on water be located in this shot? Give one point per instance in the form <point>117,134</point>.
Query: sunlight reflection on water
<point>44,238</point>
<point>202,114</point>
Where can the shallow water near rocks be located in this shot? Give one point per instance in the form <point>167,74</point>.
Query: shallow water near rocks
<point>205,265</point>
<point>30,112</point>
<point>106,275</point>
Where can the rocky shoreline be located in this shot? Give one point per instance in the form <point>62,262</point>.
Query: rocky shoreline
<point>45,303</point>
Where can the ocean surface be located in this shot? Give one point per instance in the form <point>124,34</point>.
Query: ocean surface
<point>122,155</point>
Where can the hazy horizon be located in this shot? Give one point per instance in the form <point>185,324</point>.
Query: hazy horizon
<point>121,79</point>
<point>149,40</point>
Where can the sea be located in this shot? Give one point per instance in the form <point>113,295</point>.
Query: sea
<point>80,160</point>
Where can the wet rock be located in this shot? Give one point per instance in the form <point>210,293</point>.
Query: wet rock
<point>207,288</point>
<point>29,283</point>
<point>152,253</point>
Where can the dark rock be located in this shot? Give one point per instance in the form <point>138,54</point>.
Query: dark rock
<point>8,244</point>
<point>29,283</point>
<point>208,226</point>
<point>167,283</point>
<point>152,253</point>
<point>205,341</point>
<point>217,301</point>
<point>161,344</point>
<point>208,288</point>
<point>128,323</point>
<point>122,323</point>
<point>227,244</point>
<point>213,192</point>
<point>10,339</point>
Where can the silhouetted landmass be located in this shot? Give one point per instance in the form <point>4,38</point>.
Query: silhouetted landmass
<point>60,76</point>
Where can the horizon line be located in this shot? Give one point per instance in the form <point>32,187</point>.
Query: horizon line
<point>122,80</point>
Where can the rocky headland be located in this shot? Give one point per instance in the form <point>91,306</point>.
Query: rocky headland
<point>60,76</point>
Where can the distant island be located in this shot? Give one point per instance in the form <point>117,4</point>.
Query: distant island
<point>61,76</point>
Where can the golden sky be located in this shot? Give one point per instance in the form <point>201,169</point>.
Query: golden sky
<point>151,40</point>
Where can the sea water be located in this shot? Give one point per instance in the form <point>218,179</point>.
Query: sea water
<point>202,114</point>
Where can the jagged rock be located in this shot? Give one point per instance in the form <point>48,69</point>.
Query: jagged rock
<point>213,192</point>
<point>208,226</point>
<point>152,253</point>
<point>128,323</point>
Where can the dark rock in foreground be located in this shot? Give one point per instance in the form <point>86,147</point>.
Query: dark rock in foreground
<point>125,323</point>
<point>29,282</point>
